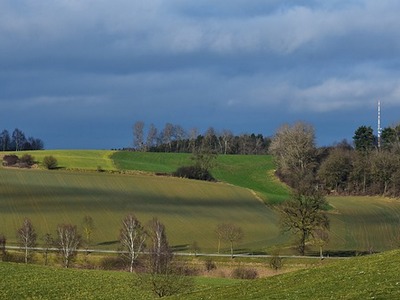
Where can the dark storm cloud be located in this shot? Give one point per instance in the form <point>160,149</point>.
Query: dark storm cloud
<point>243,65</point>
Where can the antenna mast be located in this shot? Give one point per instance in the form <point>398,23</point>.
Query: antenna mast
<point>379,124</point>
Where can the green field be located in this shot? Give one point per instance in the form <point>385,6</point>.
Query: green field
<point>371,277</point>
<point>75,159</point>
<point>255,172</point>
<point>190,209</point>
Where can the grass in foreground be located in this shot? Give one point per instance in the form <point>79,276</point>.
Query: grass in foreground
<point>371,277</point>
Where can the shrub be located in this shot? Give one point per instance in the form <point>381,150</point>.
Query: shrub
<point>10,160</point>
<point>193,172</point>
<point>276,262</point>
<point>244,273</point>
<point>112,263</point>
<point>28,160</point>
<point>210,265</point>
<point>50,162</point>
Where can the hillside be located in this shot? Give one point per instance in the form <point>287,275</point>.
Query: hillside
<point>371,277</point>
<point>190,209</point>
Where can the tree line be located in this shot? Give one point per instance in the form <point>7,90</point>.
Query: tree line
<point>174,138</point>
<point>368,167</point>
<point>17,141</point>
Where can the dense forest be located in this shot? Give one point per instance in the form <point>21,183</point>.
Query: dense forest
<point>17,141</point>
<point>174,138</point>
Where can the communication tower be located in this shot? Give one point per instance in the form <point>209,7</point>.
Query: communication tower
<point>379,124</point>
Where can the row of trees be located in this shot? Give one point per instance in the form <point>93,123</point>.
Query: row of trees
<point>370,167</point>
<point>17,141</point>
<point>174,138</point>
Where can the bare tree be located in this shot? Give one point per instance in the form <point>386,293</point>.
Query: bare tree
<point>321,238</point>
<point>160,252</point>
<point>48,243</point>
<point>138,142</point>
<point>3,241</point>
<point>230,233</point>
<point>294,150</point>
<point>68,241</point>
<point>132,237</point>
<point>167,135</point>
<point>88,228</point>
<point>26,235</point>
<point>151,136</point>
<point>219,232</point>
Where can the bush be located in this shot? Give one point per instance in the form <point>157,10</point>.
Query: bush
<point>10,160</point>
<point>210,265</point>
<point>244,273</point>
<point>276,262</point>
<point>112,263</point>
<point>50,162</point>
<point>193,172</point>
<point>27,159</point>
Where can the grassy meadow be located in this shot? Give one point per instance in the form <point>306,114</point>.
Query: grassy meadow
<point>369,277</point>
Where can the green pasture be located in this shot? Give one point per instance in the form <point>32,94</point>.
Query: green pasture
<point>190,209</point>
<point>371,277</point>
<point>255,172</point>
<point>39,282</point>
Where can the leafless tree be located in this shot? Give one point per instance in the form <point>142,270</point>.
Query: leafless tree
<point>3,241</point>
<point>193,134</point>
<point>167,134</point>
<point>151,136</point>
<point>68,241</point>
<point>294,150</point>
<point>138,142</point>
<point>132,237</point>
<point>321,238</point>
<point>160,252</point>
<point>48,243</point>
<point>230,233</point>
<point>88,228</point>
<point>227,138</point>
<point>26,235</point>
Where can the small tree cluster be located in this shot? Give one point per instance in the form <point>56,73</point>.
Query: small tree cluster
<point>17,141</point>
<point>26,161</point>
<point>174,138</point>
<point>230,233</point>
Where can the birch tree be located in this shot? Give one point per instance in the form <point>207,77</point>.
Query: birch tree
<point>26,235</point>
<point>132,237</point>
<point>68,241</point>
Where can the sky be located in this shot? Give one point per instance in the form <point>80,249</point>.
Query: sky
<point>79,73</point>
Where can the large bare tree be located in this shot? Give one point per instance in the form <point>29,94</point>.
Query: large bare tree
<point>138,135</point>
<point>26,235</point>
<point>132,237</point>
<point>68,241</point>
<point>294,150</point>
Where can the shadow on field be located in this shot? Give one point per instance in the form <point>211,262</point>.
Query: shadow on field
<point>108,243</point>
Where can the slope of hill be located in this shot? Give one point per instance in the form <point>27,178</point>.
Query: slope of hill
<point>255,172</point>
<point>190,209</point>
<point>371,277</point>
